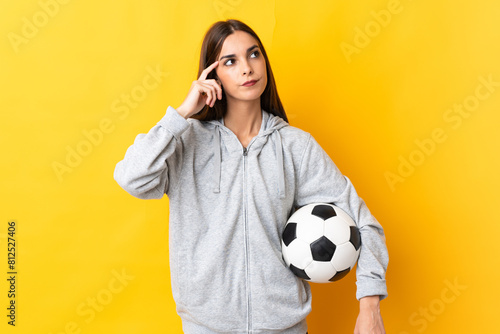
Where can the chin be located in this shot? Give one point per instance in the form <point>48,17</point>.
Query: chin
<point>246,97</point>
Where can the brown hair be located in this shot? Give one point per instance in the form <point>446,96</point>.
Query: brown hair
<point>210,49</point>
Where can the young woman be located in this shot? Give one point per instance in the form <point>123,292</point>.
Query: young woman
<point>234,171</point>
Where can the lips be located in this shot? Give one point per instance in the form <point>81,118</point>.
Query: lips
<point>249,83</point>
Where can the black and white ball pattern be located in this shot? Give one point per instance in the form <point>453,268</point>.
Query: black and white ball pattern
<point>321,243</point>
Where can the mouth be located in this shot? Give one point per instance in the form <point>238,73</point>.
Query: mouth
<point>249,83</point>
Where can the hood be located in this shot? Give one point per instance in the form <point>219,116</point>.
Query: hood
<point>269,129</point>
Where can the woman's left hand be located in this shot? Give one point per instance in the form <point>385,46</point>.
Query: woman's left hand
<point>369,319</point>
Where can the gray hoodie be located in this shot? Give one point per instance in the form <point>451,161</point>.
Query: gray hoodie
<point>228,208</point>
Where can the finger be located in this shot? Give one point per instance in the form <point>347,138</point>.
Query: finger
<point>217,88</point>
<point>208,91</point>
<point>212,92</point>
<point>213,97</point>
<point>205,72</point>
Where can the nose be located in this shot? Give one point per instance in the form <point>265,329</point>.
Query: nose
<point>246,68</point>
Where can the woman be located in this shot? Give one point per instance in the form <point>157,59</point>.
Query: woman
<point>234,171</point>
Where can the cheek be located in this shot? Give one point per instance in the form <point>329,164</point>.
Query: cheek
<point>263,69</point>
<point>264,72</point>
<point>224,77</point>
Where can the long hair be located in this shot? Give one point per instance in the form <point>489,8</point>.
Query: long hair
<point>211,48</point>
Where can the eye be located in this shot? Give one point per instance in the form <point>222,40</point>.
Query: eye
<point>256,53</point>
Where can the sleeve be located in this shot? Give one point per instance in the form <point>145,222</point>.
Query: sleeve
<point>145,169</point>
<point>321,181</point>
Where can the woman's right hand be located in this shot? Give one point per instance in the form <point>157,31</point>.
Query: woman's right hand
<point>202,92</point>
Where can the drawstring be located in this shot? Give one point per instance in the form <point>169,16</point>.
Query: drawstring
<point>217,160</point>
<point>279,157</point>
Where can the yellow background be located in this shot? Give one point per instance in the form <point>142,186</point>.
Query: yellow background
<point>368,87</point>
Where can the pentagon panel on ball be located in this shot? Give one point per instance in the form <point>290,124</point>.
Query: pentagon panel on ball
<point>320,243</point>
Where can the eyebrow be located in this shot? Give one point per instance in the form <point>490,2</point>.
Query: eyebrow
<point>233,55</point>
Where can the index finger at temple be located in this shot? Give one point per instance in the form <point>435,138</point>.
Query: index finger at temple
<point>205,72</point>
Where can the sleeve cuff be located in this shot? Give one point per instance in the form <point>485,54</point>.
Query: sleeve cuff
<point>371,288</point>
<point>174,122</point>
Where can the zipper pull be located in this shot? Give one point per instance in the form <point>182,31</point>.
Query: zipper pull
<point>245,151</point>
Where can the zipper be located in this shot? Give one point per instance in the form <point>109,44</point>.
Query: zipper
<point>247,256</point>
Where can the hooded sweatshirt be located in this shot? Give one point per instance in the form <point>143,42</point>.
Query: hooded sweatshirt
<point>228,208</point>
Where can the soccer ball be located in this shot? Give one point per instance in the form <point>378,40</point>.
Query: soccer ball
<point>320,243</point>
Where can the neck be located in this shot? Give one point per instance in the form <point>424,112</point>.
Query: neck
<point>244,118</point>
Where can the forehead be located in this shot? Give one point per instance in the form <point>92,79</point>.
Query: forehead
<point>238,42</point>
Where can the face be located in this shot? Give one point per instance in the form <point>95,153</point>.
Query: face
<point>241,60</point>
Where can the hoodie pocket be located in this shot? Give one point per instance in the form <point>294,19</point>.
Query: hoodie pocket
<point>213,288</point>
